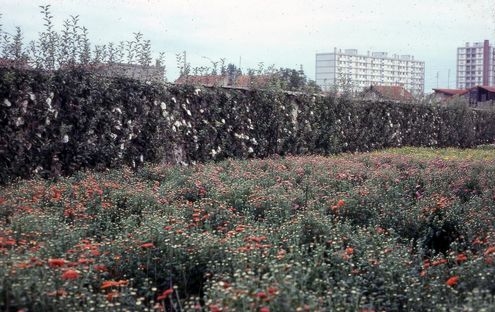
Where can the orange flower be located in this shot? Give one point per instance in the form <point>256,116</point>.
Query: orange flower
<point>6,242</point>
<point>71,275</point>
<point>349,251</point>
<point>452,281</point>
<point>147,245</point>
<point>108,284</point>
<point>56,262</point>
<point>165,294</point>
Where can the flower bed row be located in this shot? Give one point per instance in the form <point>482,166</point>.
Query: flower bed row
<point>365,232</point>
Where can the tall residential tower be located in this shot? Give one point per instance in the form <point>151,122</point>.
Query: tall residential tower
<point>475,65</point>
<point>339,68</point>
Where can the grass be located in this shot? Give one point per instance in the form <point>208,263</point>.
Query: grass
<point>397,230</point>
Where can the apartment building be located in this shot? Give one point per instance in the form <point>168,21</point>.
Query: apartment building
<point>341,68</point>
<point>475,65</point>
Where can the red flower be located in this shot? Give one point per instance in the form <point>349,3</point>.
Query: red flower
<point>165,294</point>
<point>349,251</point>
<point>439,262</point>
<point>57,194</point>
<point>147,245</point>
<point>112,294</point>
<point>264,309</point>
<point>214,308</point>
<point>261,294</point>
<point>489,250</point>
<point>100,268</point>
<point>71,275</point>
<point>452,281</point>
<point>56,262</point>
<point>461,258</point>
<point>108,284</point>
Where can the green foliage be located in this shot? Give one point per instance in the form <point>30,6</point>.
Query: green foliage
<point>71,47</point>
<point>59,122</point>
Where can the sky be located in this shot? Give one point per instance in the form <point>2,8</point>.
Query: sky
<point>283,33</point>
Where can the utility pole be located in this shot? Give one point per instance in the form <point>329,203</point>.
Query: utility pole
<point>448,80</point>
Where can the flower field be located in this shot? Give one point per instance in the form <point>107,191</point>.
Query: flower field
<point>397,230</point>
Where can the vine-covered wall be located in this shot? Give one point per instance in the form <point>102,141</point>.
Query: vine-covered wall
<point>56,123</point>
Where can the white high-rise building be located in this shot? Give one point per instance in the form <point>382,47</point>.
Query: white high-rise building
<point>475,65</point>
<point>338,69</point>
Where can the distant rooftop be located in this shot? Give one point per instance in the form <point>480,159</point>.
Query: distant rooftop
<point>377,54</point>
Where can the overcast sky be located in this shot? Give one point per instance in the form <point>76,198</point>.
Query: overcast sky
<point>284,33</point>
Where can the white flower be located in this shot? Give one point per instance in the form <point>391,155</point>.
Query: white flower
<point>250,150</point>
<point>49,102</point>
<point>197,91</point>
<point>141,158</point>
<point>7,103</point>
<point>163,105</point>
<point>122,146</point>
<point>19,121</point>
<point>174,100</point>
<point>201,111</point>
<point>32,96</point>
<point>65,139</point>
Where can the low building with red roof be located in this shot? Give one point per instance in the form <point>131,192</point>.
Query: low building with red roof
<point>390,93</point>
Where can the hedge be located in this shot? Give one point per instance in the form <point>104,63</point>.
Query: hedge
<point>54,123</point>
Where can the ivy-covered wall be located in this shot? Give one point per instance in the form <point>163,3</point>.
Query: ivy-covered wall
<point>56,123</point>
